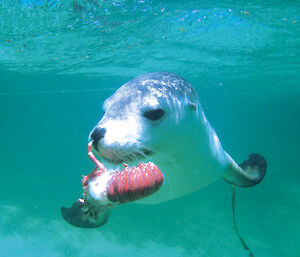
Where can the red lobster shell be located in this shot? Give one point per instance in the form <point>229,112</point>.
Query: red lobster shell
<point>133,183</point>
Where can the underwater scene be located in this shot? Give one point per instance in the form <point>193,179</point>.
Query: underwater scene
<point>60,60</point>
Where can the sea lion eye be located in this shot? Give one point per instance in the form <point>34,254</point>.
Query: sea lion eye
<point>154,114</point>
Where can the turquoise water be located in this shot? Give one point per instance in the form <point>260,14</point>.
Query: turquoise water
<point>59,60</point>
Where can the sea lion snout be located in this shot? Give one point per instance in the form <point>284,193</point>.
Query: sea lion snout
<point>96,135</point>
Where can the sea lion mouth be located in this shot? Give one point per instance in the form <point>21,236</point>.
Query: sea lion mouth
<point>117,158</point>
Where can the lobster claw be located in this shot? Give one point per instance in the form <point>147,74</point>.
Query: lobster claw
<point>86,215</point>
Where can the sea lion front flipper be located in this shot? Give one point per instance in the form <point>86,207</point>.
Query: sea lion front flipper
<point>247,174</point>
<point>86,215</point>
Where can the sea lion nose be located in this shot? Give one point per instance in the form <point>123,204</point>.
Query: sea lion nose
<point>97,134</point>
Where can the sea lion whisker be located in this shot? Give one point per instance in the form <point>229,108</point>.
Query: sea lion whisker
<point>163,155</point>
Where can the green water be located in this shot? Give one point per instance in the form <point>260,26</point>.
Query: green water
<point>59,60</point>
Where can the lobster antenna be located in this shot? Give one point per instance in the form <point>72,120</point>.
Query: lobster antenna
<point>93,158</point>
<point>248,250</point>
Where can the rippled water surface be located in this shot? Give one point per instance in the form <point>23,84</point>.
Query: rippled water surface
<point>59,60</point>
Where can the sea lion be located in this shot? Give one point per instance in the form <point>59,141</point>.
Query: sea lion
<point>157,116</point>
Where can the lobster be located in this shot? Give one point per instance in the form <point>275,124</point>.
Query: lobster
<point>127,185</point>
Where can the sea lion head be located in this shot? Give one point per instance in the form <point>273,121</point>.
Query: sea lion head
<point>144,116</point>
